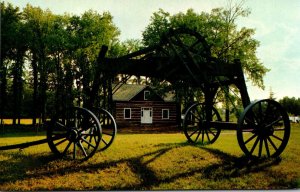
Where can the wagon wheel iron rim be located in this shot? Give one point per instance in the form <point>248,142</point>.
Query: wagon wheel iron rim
<point>263,129</point>
<point>195,127</point>
<point>80,131</point>
<point>109,127</point>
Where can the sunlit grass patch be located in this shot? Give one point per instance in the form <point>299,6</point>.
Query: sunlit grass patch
<point>22,121</point>
<point>188,159</point>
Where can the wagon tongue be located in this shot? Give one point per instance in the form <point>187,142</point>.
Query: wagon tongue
<point>23,145</point>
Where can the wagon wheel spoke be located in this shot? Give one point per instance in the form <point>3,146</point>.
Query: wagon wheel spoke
<point>89,134</point>
<point>250,120</point>
<point>274,122</point>
<point>202,133</point>
<point>61,125</point>
<point>247,130</point>
<point>82,148</point>
<point>198,135</point>
<point>279,129</point>
<point>89,144</point>
<point>90,138</point>
<point>214,134</point>
<point>60,142</point>
<point>272,143</point>
<point>267,147</point>
<point>195,132</point>
<point>74,151</point>
<point>207,135</point>
<point>250,139</point>
<point>260,147</point>
<point>278,138</point>
<point>104,142</point>
<point>66,149</point>
<point>254,145</point>
<point>196,116</point>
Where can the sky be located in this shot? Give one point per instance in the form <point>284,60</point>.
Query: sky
<point>277,25</point>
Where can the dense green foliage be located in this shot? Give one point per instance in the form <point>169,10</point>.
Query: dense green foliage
<point>48,60</point>
<point>291,105</point>
<point>42,54</point>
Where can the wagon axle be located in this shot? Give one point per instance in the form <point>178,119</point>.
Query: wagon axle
<point>27,144</point>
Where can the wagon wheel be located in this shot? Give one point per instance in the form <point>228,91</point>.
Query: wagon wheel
<point>263,129</point>
<point>75,134</point>
<point>190,48</point>
<point>195,127</point>
<point>108,125</point>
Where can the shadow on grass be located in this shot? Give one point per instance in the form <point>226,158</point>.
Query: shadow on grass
<point>228,167</point>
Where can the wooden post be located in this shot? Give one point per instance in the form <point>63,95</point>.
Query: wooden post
<point>96,82</point>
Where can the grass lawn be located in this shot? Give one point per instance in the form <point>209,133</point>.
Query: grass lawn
<point>150,162</point>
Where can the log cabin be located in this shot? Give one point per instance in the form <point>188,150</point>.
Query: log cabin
<point>140,105</point>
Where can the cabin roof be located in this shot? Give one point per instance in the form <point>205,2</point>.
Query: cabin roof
<point>128,91</point>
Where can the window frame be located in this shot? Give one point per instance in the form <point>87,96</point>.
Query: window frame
<point>146,96</point>
<point>162,114</point>
<point>124,111</point>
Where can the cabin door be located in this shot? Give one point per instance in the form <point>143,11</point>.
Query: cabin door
<point>146,115</point>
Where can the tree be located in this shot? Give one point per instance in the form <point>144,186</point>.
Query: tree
<point>271,94</point>
<point>291,105</point>
<point>10,17</point>
<point>13,48</point>
<point>87,34</point>
<point>17,71</point>
<point>58,43</point>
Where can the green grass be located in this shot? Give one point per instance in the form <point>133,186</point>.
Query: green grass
<point>150,162</point>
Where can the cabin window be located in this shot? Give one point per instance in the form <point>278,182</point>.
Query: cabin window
<point>127,113</point>
<point>165,114</point>
<point>146,95</point>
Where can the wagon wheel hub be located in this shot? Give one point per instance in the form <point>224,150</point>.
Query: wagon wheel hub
<point>264,131</point>
<point>203,125</point>
<point>73,135</point>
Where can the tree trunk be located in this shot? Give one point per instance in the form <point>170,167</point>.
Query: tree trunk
<point>42,91</point>
<point>3,89</point>
<point>35,89</point>
<point>59,85</point>
<point>18,86</point>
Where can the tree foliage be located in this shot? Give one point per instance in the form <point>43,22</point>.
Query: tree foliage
<point>291,105</point>
<point>43,54</point>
